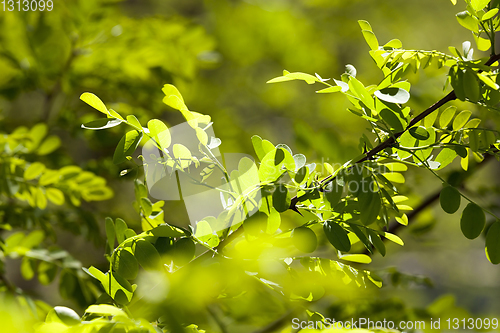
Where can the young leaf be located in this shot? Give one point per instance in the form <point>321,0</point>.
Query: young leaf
<point>449,198</point>
<point>173,97</point>
<point>337,236</point>
<point>127,146</point>
<point>94,102</point>
<point>159,132</point>
<point>472,221</point>
<point>461,119</point>
<point>446,117</point>
<point>370,39</point>
<point>261,147</point>
<point>467,21</point>
<point>359,90</point>
<point>479,4</point>
<point>183,154</point>
<point>359,258</point>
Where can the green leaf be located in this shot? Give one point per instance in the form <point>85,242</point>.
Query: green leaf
<point>49,145</point>
<point>94,102</point>
<point>394,177</point>
<point>201,135</point>
<point>27,268</point>
<point>184,250</point>
<point>47,272</point>
<point>479,4</point>
<point>273,221</point>
<point>120,228</point>
<point>472,221</point>
<point>110,233</point>
<point>489,14</point>
<point>445,157</point>
<point>146,255</point>
<point>126,265</point>
<point>461,119</point>
<point>493,243</point>
<point>364,25</point>
<point>261,147</point>
<point>359,90</point>
<point>33,239</point>
<point>376,241</point>
<point>449,198</point>
<point>127,146</point>
<point>160,133</point>
<point>105,310</point>
<point>281,198</point>
<point>304,239</point>
<point>394,43</point>
<point>165,230</point>
<point>333,192</point>
<point>370,39</point>
<point>447,115</point>
<point>369,206</point>
<point>183,155</point>
<point>467,21</point>
<point>393,95</point>
<point>146,206</point>
<point>394,238</point>
<point>419,133</point>
<point>301,174</point>
<point>337,236</point>
<point>173,97</point>
<point>66,315</point>
<point>392,119</point>
<point>310,79</point>
<point>471,86</point>
<point>329,90</point>
<point>489,82</point>
<point>33,171</point>
<point>132,120</point>
<point>274,164</point>
<point>55,195</point>
<point>204,234</point>
<point>359,258</point>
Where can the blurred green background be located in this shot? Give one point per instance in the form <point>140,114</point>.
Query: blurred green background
<point>220,53</point>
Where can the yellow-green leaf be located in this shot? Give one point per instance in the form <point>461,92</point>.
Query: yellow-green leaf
<point>94,102</point>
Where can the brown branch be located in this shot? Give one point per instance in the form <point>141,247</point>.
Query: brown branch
<point>392,140</point>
